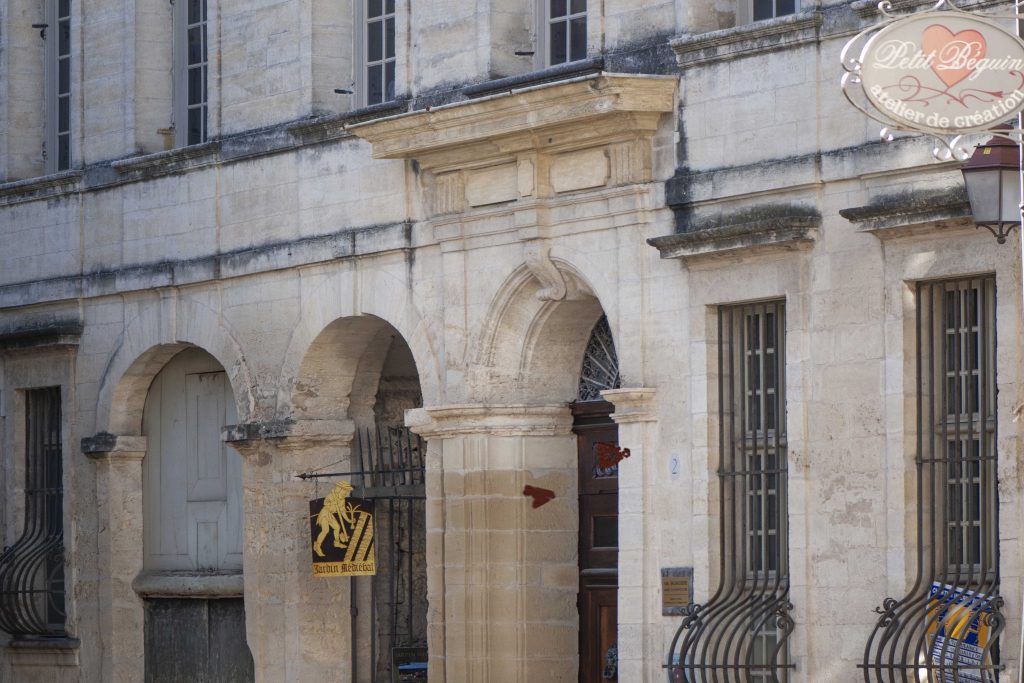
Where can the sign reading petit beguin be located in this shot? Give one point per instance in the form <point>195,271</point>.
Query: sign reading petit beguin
<point>944,72</point>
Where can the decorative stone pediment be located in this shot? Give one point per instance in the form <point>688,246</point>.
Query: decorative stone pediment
<point>532,143</point>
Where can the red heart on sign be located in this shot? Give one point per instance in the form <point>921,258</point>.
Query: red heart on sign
<point>953,53</point>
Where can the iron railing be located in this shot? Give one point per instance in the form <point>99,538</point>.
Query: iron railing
<point>32,568</point>
<point>741,633</point>
<point>946,629</point>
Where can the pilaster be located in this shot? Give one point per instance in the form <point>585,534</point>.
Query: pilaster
<point>503,572</point>
<point>640,651</point>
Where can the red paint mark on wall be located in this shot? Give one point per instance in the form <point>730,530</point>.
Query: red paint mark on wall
<point>539,495</point>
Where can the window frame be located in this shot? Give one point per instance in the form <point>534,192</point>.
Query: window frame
<point>362,62</point>
<point>745,12</point>
<point>543,27</point>
<point>182,102</point>
<point>57,87</point>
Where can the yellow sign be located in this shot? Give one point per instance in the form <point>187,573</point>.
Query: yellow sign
<point>341,529</point>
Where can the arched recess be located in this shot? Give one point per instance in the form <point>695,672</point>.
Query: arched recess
<point>354,293</point>
<point>359,372</point>
<point>145,347</point>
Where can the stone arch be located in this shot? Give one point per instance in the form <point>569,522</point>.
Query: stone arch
<point>530,348</point>
<point>355,294</point>
<point>146,345</point>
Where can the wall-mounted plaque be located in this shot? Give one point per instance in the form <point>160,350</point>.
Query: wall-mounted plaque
<point>676,590</point>
<point>342,533</point>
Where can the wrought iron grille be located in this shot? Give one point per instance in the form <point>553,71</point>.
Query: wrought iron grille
<point>600,369</point>
<point>32,569</point>
<point>946,629</point>
<point>741,632</point>
<point>391,471</point>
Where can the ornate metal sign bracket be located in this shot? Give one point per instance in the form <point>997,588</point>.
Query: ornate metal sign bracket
<point>943,72</point>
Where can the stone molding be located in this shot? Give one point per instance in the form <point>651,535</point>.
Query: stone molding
<point>518,119</point>
<point>181,584</point>
<point>58,334</point>
<point>493,420</point>
<point>105,446</point>
<point>538,261</point>
<point>31,189</point>
<point>750,39</point>
<point>290,434</point>
<point>632,405</point>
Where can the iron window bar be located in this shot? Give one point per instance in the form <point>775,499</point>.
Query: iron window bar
<point>946,629</point>
<point>741,633</point>
<point>32,593</point>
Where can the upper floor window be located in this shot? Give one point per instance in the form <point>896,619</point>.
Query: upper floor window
<point>190,59</point>
<point>565,30</point>
<point>57,100</point>
<point>377,73</point>
<point>766,9</point>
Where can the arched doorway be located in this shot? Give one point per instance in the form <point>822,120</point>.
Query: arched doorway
<point>192,527</point>
<point>597,443</point>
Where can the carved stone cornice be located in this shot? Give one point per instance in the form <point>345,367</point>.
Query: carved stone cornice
<point>107,447</point>
<point>570,114</point>
<point>494,420</point>
<point>632,405</point>
<point>749,39</point>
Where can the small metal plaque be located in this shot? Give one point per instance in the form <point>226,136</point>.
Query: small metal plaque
<point>676,590</point>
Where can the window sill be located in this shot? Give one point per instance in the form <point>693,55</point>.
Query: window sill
<point>43,652</point>
<point>169,161</point>
<point>333,126</point>
<point>189,584</point>
<point>769,35</point>
<point>34,188</point>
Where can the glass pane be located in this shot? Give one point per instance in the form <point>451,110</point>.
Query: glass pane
<point>63,152</point>
<point>784,7</point>
<point>579,6</point>
<point>374,85</point>
<point>389,81</point>
<point>64,41</point>
<point>606,532</point>
<point>557,43</point>
<point>373,8</point>
<point>63,114</point>
<point>374,41</point>
<point>390,6</point>
<point>195,45</point>
<point>558,8</point>
<point>196,11</point>
<point>64,8</point>
<point>389,38</point>
<point>762,9</point>
<point>195,125</point>
<point>64,74</point>
<point>578,39</point>
<point>195,86</point>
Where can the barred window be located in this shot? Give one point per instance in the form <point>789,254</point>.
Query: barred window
<point>32,568</point>
<point>947,627</point>
<point>745,625</point>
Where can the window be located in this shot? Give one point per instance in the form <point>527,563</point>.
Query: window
<point>191,58</point>
<point>564,30</point>
<point>758,10</point>
<point>377,77</point>
<point>57,146</point>
<point>947,627</point>
<point>32,568</point>
<point>746,624</point>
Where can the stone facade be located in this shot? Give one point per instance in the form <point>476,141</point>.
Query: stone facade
<point>487,219</point>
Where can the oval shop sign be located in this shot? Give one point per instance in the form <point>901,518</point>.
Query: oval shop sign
<point>951,73</point>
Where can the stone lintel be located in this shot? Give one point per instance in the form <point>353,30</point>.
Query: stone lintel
<point>494,420</point>
<point>632,405</point>
<point>290,433</point>
<point>107,446</point>
<point>35,335</point>
<point>183,584</point>
<point>773,234</point>
<point>528,114</point>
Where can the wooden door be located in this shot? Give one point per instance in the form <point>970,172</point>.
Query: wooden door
<point>598,543</point>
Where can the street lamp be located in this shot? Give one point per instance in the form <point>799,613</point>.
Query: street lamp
<point>992,176</point>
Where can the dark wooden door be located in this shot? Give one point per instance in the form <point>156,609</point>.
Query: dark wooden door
<point>196,641</point>
<point>598,543</point>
